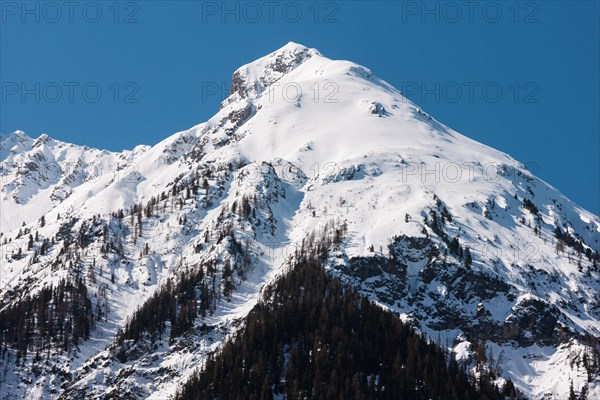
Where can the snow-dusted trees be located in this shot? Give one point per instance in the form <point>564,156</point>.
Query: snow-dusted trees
<point>313,337</point>
<point>33,325</point>
<point>176,305</point>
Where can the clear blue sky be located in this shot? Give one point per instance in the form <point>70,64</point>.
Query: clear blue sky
<point>155,61</point>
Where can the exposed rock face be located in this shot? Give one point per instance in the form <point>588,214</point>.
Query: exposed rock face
<point>533,321</point>
<point>250,80</point>
<point>239,117</point>
<point>438,294</point>
<point>377,109</point>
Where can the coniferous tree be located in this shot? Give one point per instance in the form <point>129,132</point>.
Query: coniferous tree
<point>468,259</point>
<point>312,337</point>
<point>572,395</point>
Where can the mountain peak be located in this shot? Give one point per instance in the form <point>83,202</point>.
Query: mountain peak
<point>14,135</point>
<point>291,46</point>
<point>43,139</point>
<point>251,79</point>
<point>290,55</point>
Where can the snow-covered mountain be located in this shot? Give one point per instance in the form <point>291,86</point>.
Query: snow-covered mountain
<point>454,236</point>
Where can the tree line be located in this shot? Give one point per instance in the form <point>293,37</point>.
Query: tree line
<point>58,317</point>
<point>313,337</point>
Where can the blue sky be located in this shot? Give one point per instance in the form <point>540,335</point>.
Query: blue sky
<point>521,77</point>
